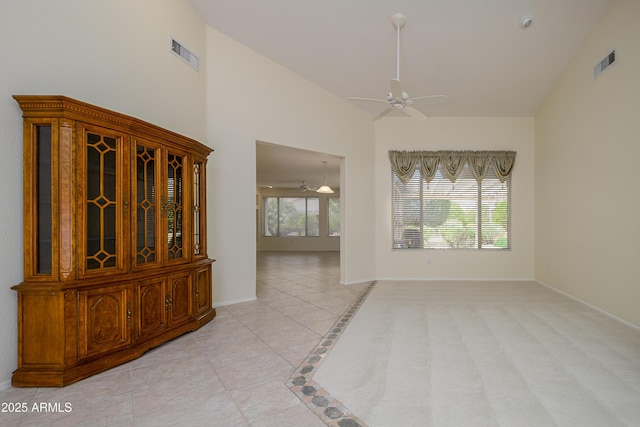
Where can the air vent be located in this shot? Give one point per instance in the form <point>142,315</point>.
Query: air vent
<point>604,64</point>
<point>185,54</point>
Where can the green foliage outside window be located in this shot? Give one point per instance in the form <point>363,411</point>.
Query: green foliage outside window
<point>334,216</point>
<point>288,216</point>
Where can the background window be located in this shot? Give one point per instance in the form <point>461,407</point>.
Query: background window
<point>291,216</point>
<point>333,207</point>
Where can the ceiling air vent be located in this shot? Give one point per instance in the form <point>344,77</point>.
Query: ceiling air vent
<point>604,64</point>
<point>185,54</point>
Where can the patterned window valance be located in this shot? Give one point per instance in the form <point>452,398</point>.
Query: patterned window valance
<point>451,163</point>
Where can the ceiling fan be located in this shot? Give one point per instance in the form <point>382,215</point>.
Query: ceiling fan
<point>324,188</point>
<point>304,187</point>
<point>396,97</point>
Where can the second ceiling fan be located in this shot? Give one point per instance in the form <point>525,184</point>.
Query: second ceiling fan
<point>396,97</point>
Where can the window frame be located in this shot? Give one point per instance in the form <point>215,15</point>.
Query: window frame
<point>399,226</point>
<point>279,216</point>
<point>329,216</point>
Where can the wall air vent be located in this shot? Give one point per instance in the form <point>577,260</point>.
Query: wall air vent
<point>185,54</point>
<point>604,64</point>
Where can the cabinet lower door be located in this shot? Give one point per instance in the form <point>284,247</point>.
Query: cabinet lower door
<point>203,291</point>
<point>104,320</point>
<point>180,300</point>
<point>151,307</point>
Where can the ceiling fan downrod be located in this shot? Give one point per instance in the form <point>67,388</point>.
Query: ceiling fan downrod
<point>397,99</point>
<point>398,20</point>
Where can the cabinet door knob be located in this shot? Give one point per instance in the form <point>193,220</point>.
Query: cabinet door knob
<point>164,206</point>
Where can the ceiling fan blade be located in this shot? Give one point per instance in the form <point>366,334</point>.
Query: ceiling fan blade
<point>396,89</point>
<point>367,99</point>
<point>414,113</point>
<point>383,113</point>
<point>430,98</point>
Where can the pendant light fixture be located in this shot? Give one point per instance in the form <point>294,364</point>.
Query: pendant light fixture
<point>325,188</point>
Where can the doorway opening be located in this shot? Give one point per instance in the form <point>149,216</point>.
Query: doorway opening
<point>291,216</point>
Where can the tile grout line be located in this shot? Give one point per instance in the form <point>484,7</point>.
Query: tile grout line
<point>330,411</point>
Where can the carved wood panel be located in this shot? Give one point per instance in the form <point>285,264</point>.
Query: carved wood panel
<point>105,316</point>
<point>180,302</point>
<point>203,290</point>
<point>151,307</point>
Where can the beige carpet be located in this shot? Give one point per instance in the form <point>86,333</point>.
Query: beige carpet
<point>453,354</point>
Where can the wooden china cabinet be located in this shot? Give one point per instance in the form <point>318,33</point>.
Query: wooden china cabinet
<point>115,255</point>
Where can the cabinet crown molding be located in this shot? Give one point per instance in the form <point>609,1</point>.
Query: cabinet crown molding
<point>60,106</point>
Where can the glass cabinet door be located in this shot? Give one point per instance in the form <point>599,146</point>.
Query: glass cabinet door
<point>174,208</point>
<point>146,192</point>
<point>159,215</point>
<point>104,204</point>
<point>40,172</point>
<point>199,249</point>
<point>44,227</point>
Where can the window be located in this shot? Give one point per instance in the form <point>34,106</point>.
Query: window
<point>433,211</point>
<point>291,216</point>
<point>333,207</point>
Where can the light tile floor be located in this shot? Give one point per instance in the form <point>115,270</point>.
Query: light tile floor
<point>231,372</point>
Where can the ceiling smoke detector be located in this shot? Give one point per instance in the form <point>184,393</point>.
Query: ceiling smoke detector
<point>526,22</point>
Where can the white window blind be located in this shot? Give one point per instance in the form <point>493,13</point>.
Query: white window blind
<point>467,213</point>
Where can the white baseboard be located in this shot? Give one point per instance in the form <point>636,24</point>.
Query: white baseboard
<point>357,282</point>
<point>452,279</point>
<point>231,302</point>
<point>598,309</point>
<point>5,385</point>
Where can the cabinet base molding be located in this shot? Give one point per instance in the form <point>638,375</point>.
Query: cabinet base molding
<point>48,377</point>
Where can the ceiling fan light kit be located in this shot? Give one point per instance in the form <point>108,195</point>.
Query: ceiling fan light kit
<point>325,189</point>
<point>396,97</point>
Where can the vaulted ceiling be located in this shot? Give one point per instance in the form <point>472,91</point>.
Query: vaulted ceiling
<point>473,51</point>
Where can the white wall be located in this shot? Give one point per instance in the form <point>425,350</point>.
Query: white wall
<point>113,53</point>
<point>323,242</point>
<point>447,133</point>
<point>250,98</point>
<point>587,172</point>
